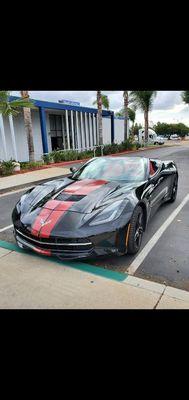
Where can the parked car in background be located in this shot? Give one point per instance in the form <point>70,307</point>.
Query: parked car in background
<point>175,137</point>
<point>159,140</point>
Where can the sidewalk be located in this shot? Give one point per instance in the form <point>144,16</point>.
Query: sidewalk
<point>29,281</point>
<point>17,181</point>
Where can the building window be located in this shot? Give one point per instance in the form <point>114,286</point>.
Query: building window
<point>56,132</point>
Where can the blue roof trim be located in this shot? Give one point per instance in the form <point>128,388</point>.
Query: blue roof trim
<point>59,106</point>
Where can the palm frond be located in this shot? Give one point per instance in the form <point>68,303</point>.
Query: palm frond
<point>22,103</point>
<point>143,99</point>
<point>185,96</point>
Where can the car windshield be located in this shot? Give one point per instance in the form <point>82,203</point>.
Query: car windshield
<point>113,169</point>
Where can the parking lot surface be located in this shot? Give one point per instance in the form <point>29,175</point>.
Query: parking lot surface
<point>167,261</point>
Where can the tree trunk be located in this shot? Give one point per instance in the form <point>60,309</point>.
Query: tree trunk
<point>99,105</point>
<point>146,126</point>
<point>28,127</point>
<point>126,100</point>
<point>133,128</point>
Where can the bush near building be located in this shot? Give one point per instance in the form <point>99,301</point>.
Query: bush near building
<point>7,167</point>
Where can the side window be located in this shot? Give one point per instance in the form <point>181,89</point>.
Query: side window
<point>153,167</point>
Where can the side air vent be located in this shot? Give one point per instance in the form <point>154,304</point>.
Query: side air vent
<point>69,197</point>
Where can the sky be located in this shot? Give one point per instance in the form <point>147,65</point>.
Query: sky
<point>167,107</point>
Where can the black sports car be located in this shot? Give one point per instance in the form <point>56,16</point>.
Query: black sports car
<point>100,209</point>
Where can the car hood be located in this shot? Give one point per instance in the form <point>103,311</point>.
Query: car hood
<point>83,196</point>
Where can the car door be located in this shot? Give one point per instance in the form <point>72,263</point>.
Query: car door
<point>158,187</point>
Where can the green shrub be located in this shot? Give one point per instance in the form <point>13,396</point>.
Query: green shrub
<point>47,158</point>
<point>138,145</point>
<point>58,156</point>
<point>7,167</point>
<point>31,165</point>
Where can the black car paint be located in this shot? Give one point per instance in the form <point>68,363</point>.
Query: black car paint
<point>108,238</point>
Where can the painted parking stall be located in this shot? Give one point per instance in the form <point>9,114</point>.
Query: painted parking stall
<point>159,264</point>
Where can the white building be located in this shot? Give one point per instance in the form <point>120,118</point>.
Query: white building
<point>57,125</point>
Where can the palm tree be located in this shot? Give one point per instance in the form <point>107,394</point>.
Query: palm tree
<point>28,124</point>
<point>105,101</point>
<point>144,101</point>
<point>126,102</point>
<point>185,96</point>
<point>12,108</point>
<point>132,116</point>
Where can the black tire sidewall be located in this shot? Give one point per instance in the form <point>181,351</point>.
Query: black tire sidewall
<point>173,196</point>
<point>132,248</point>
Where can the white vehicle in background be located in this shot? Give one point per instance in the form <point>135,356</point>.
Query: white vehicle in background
<point>152,137</point>
<point>175,137</point>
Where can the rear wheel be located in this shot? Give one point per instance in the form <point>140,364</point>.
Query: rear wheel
<point>135,231</point>
<point>174,190</point>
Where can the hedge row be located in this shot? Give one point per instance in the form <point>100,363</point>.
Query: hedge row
<point>71,155</point>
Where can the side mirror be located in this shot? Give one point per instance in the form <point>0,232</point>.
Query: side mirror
<point>73,169</point>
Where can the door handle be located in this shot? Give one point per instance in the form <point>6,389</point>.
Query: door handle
<point>160,179</point>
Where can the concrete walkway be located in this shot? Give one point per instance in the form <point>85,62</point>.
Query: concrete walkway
<point>13,181</point>
<point>28,281</point>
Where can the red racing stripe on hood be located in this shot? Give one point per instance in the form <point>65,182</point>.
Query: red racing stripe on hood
<point>85,186</point>
<point>46,212</point>
<point>53,218</point>
<point>43,215</point>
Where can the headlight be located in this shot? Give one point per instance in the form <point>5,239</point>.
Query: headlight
<point>18,207</point>
<point>109,214</point>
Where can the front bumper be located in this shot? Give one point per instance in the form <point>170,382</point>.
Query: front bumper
<point>70,249</point>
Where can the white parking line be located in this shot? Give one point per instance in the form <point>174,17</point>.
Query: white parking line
<point>152,242</point>
<point>6,228</point>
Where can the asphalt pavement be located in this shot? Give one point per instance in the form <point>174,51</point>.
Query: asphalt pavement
<point>167,262</point>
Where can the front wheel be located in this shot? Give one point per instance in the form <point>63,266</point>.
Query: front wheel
<point>174,190</point>
<point>135,231</point>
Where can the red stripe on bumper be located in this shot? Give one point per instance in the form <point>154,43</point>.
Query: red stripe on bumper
<point>44,252</point>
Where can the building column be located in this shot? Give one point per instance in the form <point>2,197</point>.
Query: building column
<point>95,131</point>
<point>82,132</point>
<point>2,130</point>
<point>72,130</point>
<point>112,128</point>
<point>78,133</point>
<point>63,132</point>
<point>67,130</point>
<point>87,132</point>
<point>13,137</point>
<point>90,131</point>
<point>43,129</point>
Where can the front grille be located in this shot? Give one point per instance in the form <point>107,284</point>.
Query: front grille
<point>56,244</point>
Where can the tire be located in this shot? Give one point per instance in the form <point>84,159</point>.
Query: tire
<point>174,190</point>
<point>136,231</point>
